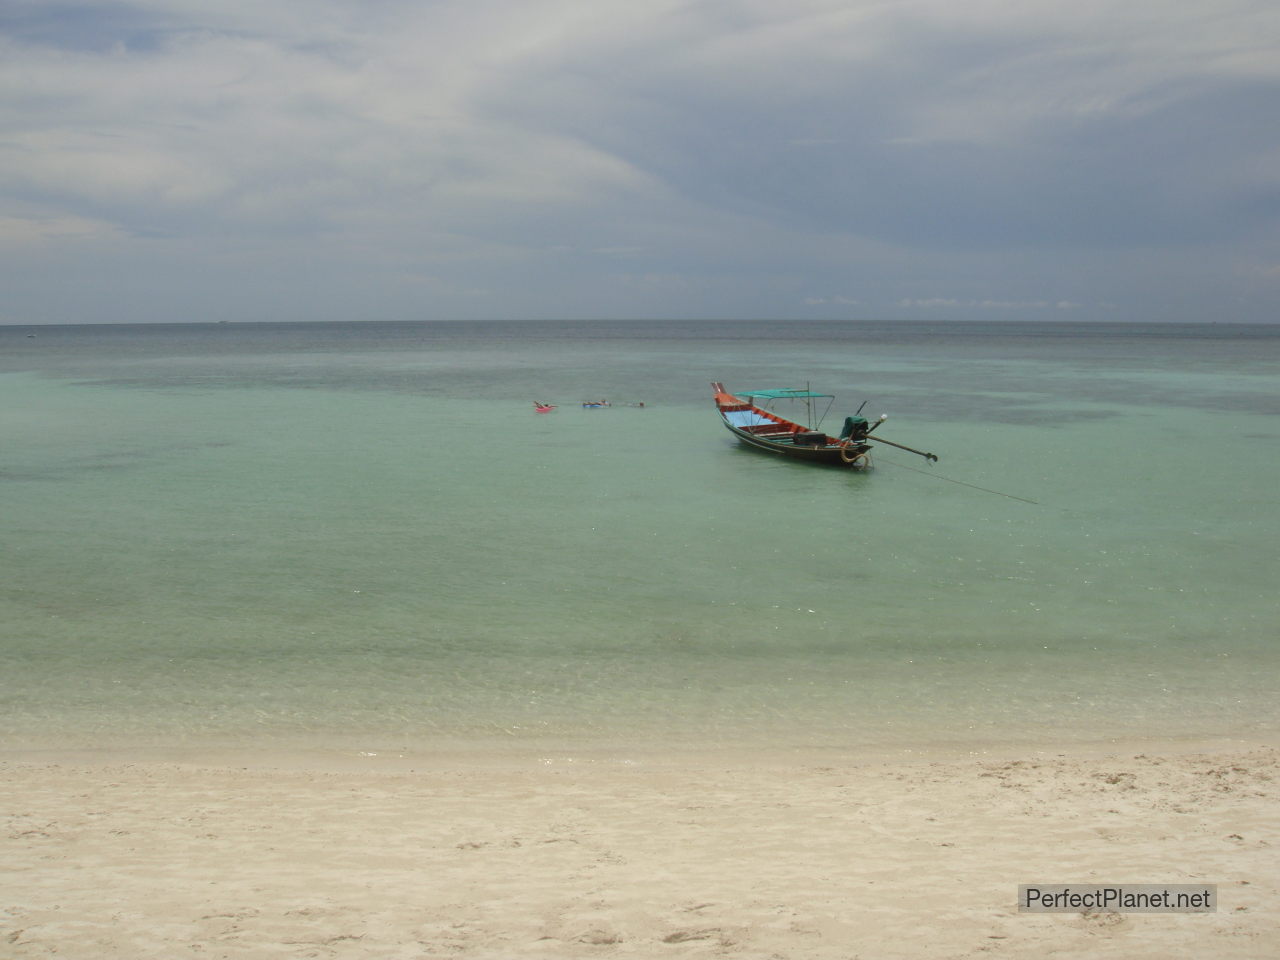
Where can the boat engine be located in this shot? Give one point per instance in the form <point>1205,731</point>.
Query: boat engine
<point>855,428</point>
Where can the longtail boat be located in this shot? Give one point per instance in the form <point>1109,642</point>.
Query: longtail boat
<point>747,416</point>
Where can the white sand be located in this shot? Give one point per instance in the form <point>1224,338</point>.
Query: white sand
<point>696,857</point>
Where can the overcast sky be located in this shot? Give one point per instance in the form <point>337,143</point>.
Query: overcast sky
<point>169,160</point>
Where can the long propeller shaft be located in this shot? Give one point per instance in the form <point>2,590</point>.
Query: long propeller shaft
<point>927,456</point>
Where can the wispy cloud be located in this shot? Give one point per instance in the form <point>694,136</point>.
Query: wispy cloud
<point>932,302</point>
<point>43,233</point>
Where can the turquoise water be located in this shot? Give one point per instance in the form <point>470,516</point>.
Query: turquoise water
<point>361,534</point>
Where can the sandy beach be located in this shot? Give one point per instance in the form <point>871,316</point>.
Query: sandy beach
<point>571,856</point>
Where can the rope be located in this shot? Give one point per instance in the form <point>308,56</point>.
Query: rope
<point>961,482</point>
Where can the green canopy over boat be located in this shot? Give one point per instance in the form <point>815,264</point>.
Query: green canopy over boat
<point>780,394</point>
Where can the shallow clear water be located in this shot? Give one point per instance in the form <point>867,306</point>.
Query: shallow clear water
<point>359,533</point>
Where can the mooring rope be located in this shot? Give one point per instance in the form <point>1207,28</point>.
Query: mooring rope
<point>937,476</point>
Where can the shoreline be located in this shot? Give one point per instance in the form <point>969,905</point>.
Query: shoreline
<point>543,854</point>
<point>323,754</point>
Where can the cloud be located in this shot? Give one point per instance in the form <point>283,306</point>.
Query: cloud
<point>1270,271</point>
<point>25,234</point>
<point>991,304</point>
<point>1064,152</point>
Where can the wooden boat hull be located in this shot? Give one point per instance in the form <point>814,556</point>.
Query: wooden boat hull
<point>762,430</point>
<point>832,453</point>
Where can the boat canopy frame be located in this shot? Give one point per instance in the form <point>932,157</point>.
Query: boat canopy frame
<point>788,393</point>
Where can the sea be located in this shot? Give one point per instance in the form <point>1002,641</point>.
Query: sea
<point>361,537</point>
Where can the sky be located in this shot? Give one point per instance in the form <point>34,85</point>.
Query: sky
<point>258,160</point>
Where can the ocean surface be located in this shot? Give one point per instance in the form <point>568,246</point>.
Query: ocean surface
<point>361,536</point>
